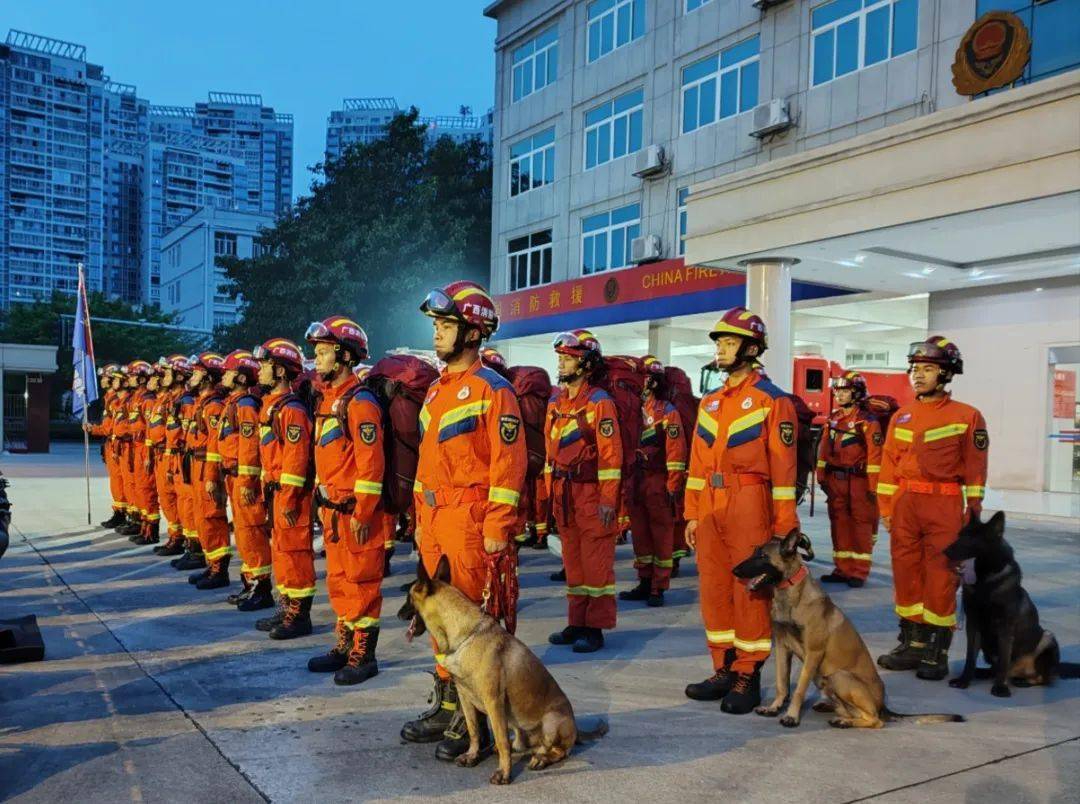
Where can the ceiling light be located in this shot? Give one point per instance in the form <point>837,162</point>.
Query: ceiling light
<point>929,269</point>
<point>975,273</point>
<point>860,258</point>
<point>914,275</point>
<point>1038,290</point>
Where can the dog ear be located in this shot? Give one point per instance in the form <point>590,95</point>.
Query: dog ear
<point>422,573</point>
<point>790,543</point>
<point>996,525</point>
<point>442,572</point>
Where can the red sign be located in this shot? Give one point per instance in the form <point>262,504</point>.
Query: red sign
<point>1064,394</point>
<point>642,283</point>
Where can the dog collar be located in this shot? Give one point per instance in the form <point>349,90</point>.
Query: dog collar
<point>798,577</point>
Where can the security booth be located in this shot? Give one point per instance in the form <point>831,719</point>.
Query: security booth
<point>25,379</point>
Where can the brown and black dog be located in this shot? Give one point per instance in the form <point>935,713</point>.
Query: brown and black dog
<point>496,674</point>
<point>809,625</point>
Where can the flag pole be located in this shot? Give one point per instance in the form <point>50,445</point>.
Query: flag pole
<point>82,393</point>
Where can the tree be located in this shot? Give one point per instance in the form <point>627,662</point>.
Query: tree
<point>389,221</point>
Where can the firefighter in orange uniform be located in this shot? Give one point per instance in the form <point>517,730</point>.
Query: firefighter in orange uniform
<point>144,488</point>
<point>658,484</point>
<point>110,378</point>
<point>469,479</point>
<point>193,557</point>
<point>349,462</point>
<point>154,402</point>
<point>740,493</point>
<point>288,476</point>
<point>124,430</point>
<point>238,444</point>
<point>933,465</point>
<point>849,459</point>
<point>167,444</point>
<point>584,466</point>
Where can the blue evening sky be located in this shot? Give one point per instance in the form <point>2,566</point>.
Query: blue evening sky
<point>302,57</point>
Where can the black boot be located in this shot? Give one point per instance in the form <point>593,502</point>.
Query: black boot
<point>261,597</point>
<point>745,693</point>
<point>717,685</point>
<point>836,576</point>
<point>192,559</point>
<point>639,592</point>
<point>195,577</point>
<point>217,575</point>
<point>236,597</point>
<point>296,622</point>
<point>656,599</point>
<point>590,641</point>
<point>151,532</point>
<point>132,528</point>
<point>361,664</point>
<point>935,660</point>
<point>432,724</point>
<point>275,619</point>
<point>335,658</point>
<point>567,636</point>
<point>124,522</point>
<point>558,577</point>
<point>675,567</point>
<point>909,652</point>
<point>541,542</point>
<point>173,547</point>
<point>115,520</point>
<point>456,741</point>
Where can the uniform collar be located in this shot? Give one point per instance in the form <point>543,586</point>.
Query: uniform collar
<point>937,403</point>
<point>452,376</point>
<point>333,392</point>
<point>751,379</point>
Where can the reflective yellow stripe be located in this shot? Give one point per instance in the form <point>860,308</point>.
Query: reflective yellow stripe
<point>425,418</point>
<point>887,489</point>
<point>363,622</point>
<point>498,494</point>
<point>695,483</point>
<point>464,412</point>
<point>676,466</point>
<point>783,493</point>
<point>648,432</point>
<point>214,555</point>
<point>757,646</point>
<point>821,465</point>
<point>974,491</point>
<point>609,474</point>
<point>871,469</point>
<point>367,487</point>
<point>937,619</point>
<point>719,637</point>
<point>541,528</point>
<point>706,421</point>
<point>664,562</point>
<point>591,591</point>
<point>190,534</point>
<point>643,560</point>
<point>947,431</point>
<point>903,435</point>
<point>265,430</point>
<point>291,480</point>
<point>153,517</point>
<point>417,487</point>
<point>213,457</point>
<point>248,471</point>
<point>440,658</point>
<point>853,556</point>
<point>547,469</point>
<point>307,591</point>
<point>913,610</point>
<point>256,572</point>
<point>749,420</point>
<point>148,443</point>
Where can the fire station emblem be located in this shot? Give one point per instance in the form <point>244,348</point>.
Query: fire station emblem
<point>606,428</point>
<point>879,439</point>
<point>787,433</point>
<point>247,429</point>
<point>747,403</point>
<point>367,432</point>
<point>509,427</point>
<point>463,393</point>
<point>292,433</point>
<point>648,420</point>
<point>982,439</point>
<point>673,431</point>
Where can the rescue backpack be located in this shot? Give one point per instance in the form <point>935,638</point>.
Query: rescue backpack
<point>624,379</point>
<point>400,383</point>
<point>806,443</point>
<point>881,407</point>
<point>304,393</point>
<point>532,387</point>
<point>680,393</point>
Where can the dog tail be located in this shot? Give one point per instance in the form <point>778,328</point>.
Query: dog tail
<point>598,729</point>
<point>921,718</point>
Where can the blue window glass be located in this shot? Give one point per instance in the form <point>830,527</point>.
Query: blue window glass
<point>848,36</point>
<point>831,12</point>
<point>707,103</point>
<point>740,52</point>
<point>614,129</point>
<point>699,70</point>
<point>877,36</point>
<point>905,26</point>
<point>1055,37</point>
<point>535,64</point>
<point>603,144</point>
<point>532,162</point>
<point>625,214</point>
<point>729,93</point>
<point>748,86</point>
<point>594,222</point>
<point>621,143</point>
<point>612,24</point>
<point>694,5</point>
<point>823,56</point>
<point>737,69</point>
<point>690,115</point>
<point>847,48</point>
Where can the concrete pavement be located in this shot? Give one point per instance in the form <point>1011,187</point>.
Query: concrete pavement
<point>153,691</point>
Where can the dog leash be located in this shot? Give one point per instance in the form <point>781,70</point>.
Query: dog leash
<point>500,595</point>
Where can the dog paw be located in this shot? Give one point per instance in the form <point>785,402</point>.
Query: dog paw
<point>824,707</point>
<point>959,682</point>
<point>840,723</point>
<point>536,763</point>
<point>789,722</point>
<point>498,777</point>
<point>467,760</point>
<point>767,711</point>
<point>1001,691</point>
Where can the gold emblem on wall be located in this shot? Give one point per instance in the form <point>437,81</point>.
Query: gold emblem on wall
<point>993,53</point>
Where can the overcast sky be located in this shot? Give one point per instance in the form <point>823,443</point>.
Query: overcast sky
<point>302,57</point>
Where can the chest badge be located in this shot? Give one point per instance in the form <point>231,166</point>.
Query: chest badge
<point>747,403</point>
<point>648,420</point>
<point>712,406</point>
<point>904,419</point>
<point>463,393</point>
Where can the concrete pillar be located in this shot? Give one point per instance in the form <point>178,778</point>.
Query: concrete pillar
<point>768,293</point>
<point>660,340</point>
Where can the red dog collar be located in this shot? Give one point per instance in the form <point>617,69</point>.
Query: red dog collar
<point>798,577</point>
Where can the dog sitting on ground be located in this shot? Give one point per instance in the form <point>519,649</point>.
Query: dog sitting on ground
<point>808,624</point>
<point>496,674</point>
<point>1001,620</point>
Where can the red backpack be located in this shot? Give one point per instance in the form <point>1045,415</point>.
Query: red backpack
<point>532,387</point>
<point>806,441</point>
<point>680,392</point>
<point>881,407</point>
<point>624,381</point>
<point>400,383</point>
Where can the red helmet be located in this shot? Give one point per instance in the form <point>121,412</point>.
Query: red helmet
<point>463,301</point>
<point>853,380</point>
<point>110,371</point>
<point>492,359</point>
<point>938,350</point>
<point>210,362</point>
<point>283,352</point>
<point>577,343</point>
<point>178,363</point>
<point>242,362</point>
<point>653,367</point>
<point>138,368</point>
<point>740,321</point>
<point>342,332</point>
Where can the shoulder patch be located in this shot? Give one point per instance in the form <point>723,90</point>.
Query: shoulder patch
<point>509,427</point>
<point>494,379</point>
<point>293,433</point>
<point>367,432</point>
<point>787,433</point>
<point>982,439</point>
<point>606,428</point>
<point>673,431</point>
<point>878,439</point>
<point>247,429</point>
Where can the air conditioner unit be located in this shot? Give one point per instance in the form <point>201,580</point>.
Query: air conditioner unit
<point>771,118</point>
<point>765,5</point>
<point>645,249</point>
<point>650,162</point>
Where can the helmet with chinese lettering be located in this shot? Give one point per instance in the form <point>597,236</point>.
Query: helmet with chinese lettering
<point>655,375</point>
<point>243,363</point>
<point>210,363</point>
<point>138,368</point>
<point>491,358</point>
<point>343,333</point>
<point>281,352</point>
<point>465,302</point>
<point>179,365</point>
<point>747,326</point>
<point>583,345</point>
<point>853,380</point>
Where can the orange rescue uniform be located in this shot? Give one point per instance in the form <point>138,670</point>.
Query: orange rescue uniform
<point>934,459</point>
<point>185,500</point>
<point>238,443</point>
<point>110,413</point>
<point>212,521</point>
<point>161,419</point>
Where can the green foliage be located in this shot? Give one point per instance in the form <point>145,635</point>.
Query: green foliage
<point>389,221</point>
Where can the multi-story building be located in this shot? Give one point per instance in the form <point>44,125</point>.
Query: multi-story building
<point>126,133</point>
<point>51,167</point>
<point>191,281</point>
<point>864,172</point>
<point>364,120</point>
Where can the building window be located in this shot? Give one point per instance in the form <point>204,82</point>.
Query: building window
<point>867,359</point>
<point>735,71</point>
<point>614,129</point>
<point>535,64</point>
<point>606,238</point>
<point>173,291</point>
<point>851,34</point>
<point>614,23</point>
<point>694,5</point>
<point>224,244</point>
<point>530,260</point>
<point>532,162</point>
<point>680,217</point>
<point>1052,24</point>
